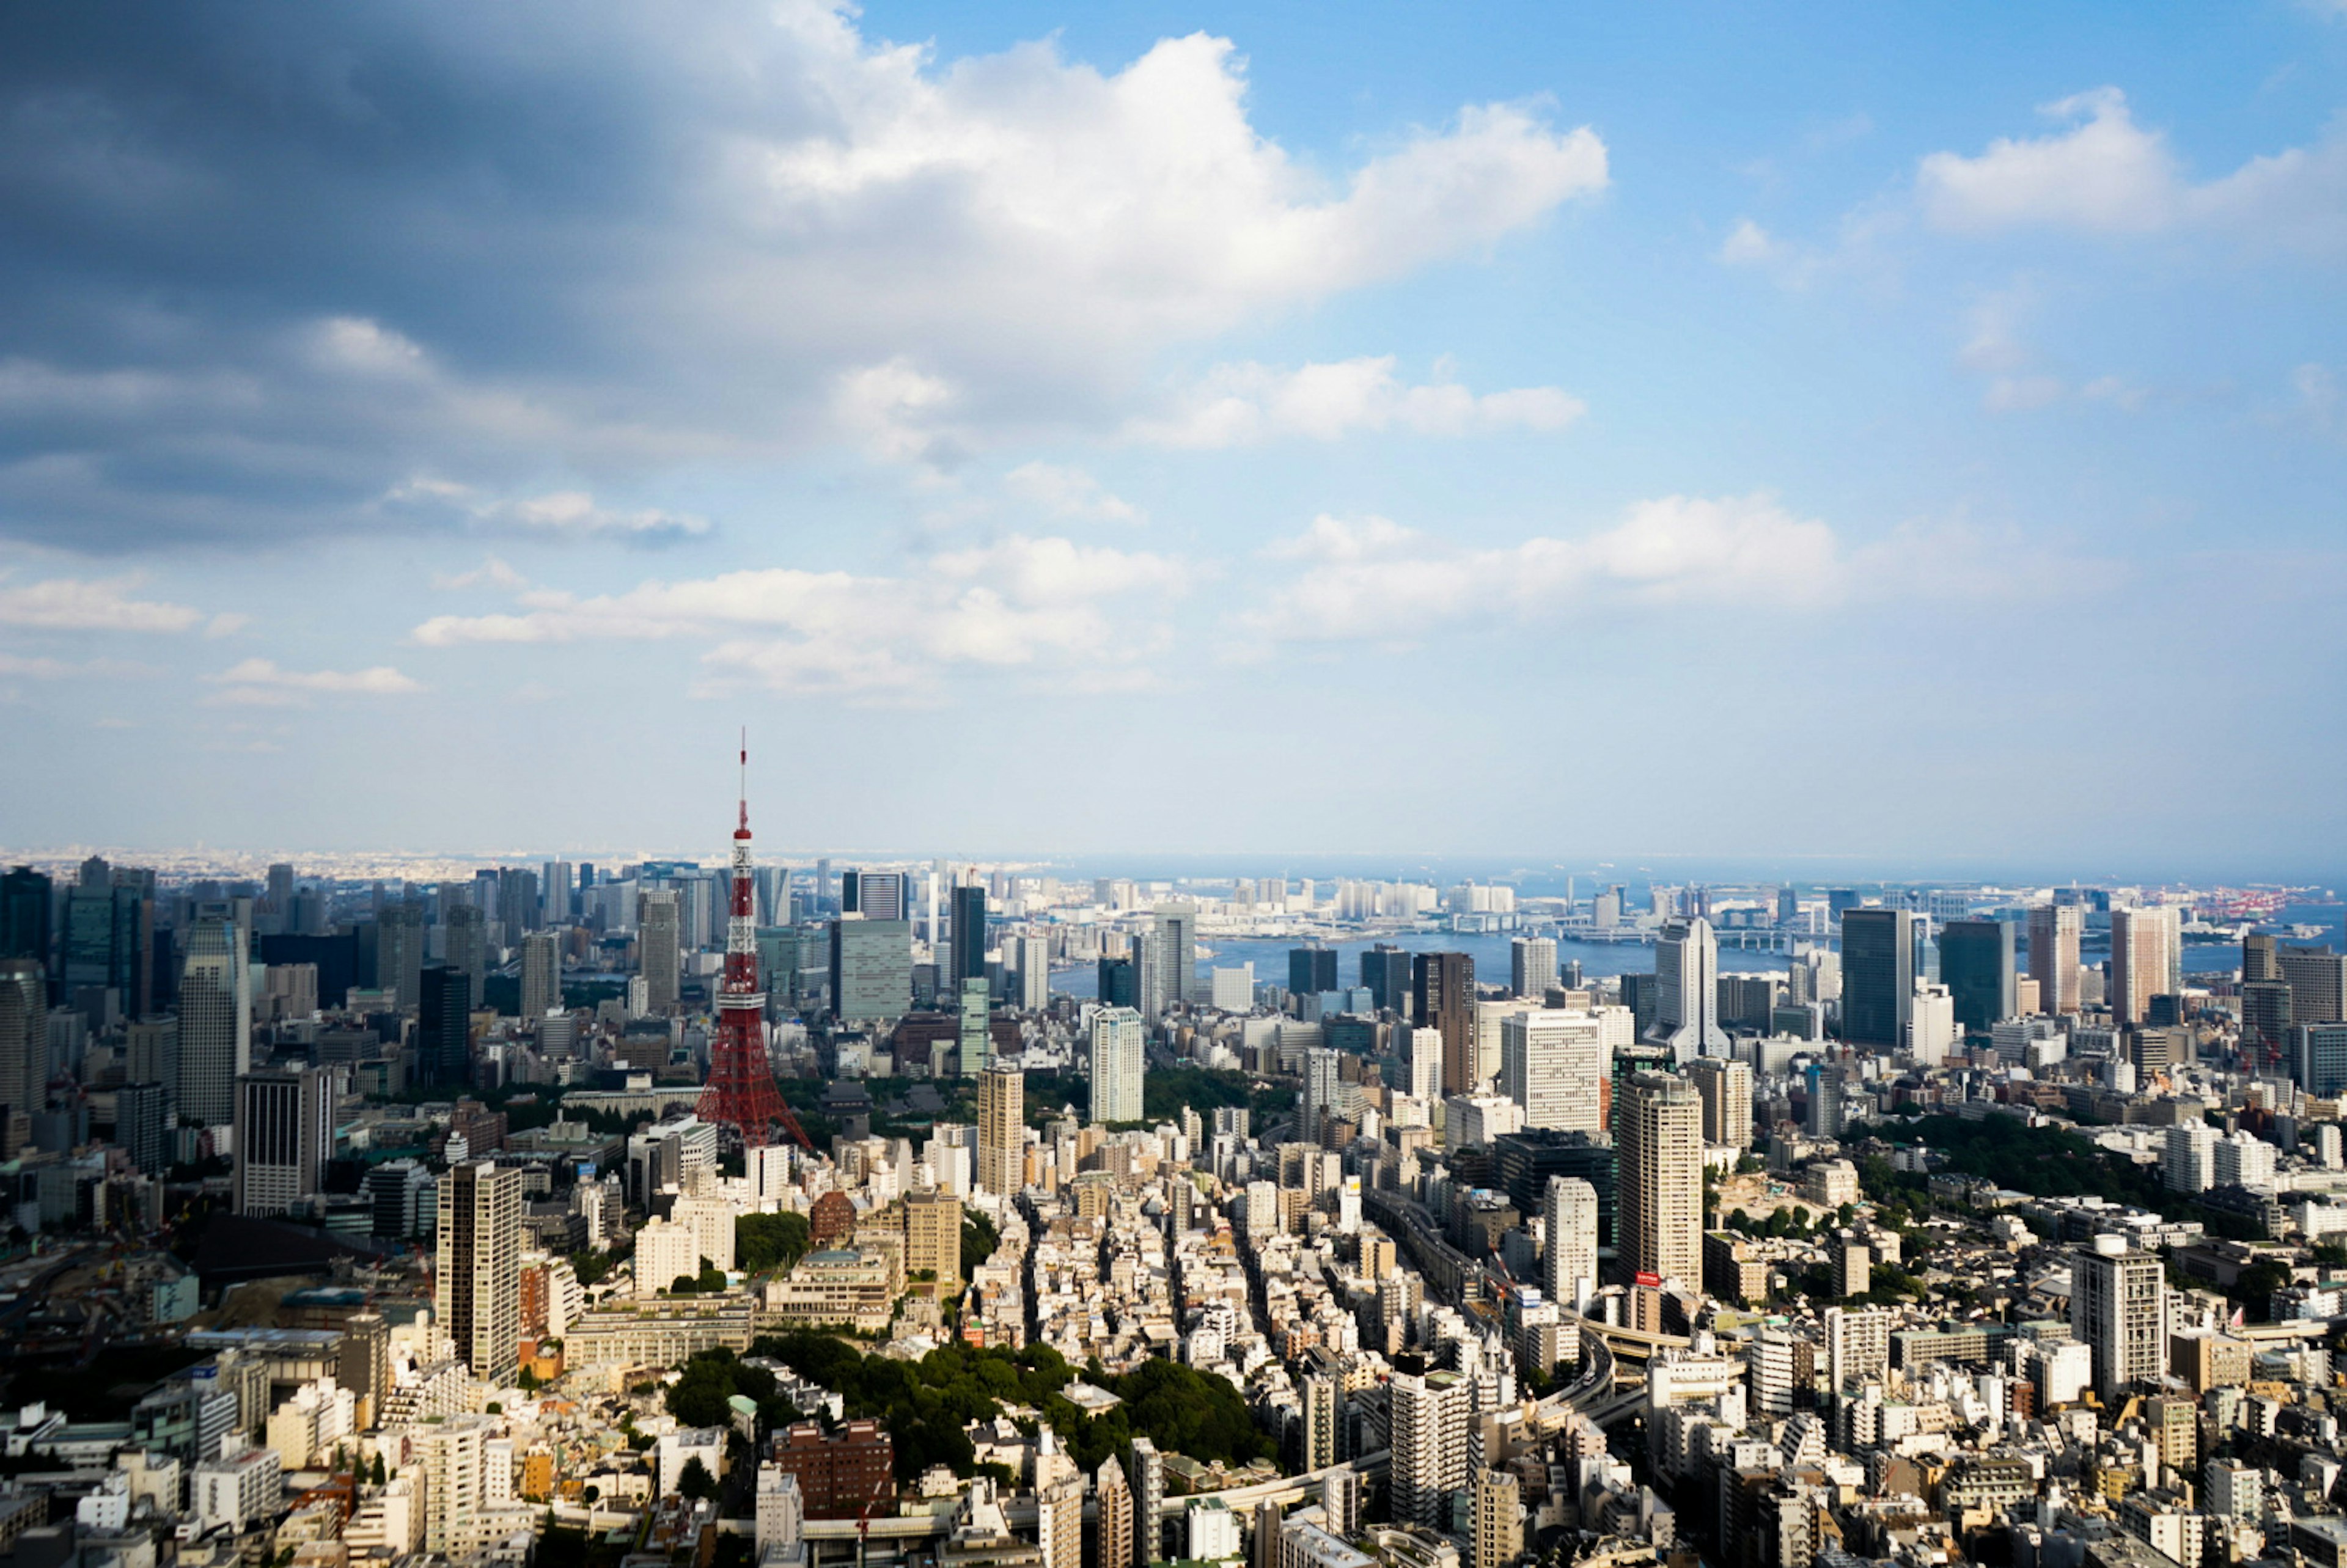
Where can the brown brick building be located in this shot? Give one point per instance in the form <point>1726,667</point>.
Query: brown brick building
<point>839,1475</point>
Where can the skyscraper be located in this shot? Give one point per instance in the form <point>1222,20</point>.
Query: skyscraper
<point>1168,959</point>
<point>285,1136</point>
<point>477,1277</point>
<point>466,944</point>
<point>1117,1065</point>
<point>24,1035</point>
<point>2119,1305</point>
<point>1878,977</point>
<point>541,976</point>
<point>1658,1127</point>
<point>1323,1092</point>
<point>1725,1087</point>
<point>1001,1129</point>
<point>1311,970</point>
<point>1386,975</point>
<point>1032,958</point>
<point>2317,978</point>
<point>871,969</point>
<point>1532,967</point>
<point>1427,1459</point>
<point>399,950</point>
<point>215,1022</point>
<point>1977,965</point>
<point>142,1125</point>
<point>1145,1471</point>
<point>2259,959</point>
<point>1442,998</point>
<point>2146,959</point>
<point>2054,933</point>
<point>444,1028</point>
<point>1112,1532</point>
<point>1569,1216</point>
<point>659,953</point>
<point>1554,1064</point>
<point>1686,1000</point>
<point>25,897</point>
<point>966,935</point>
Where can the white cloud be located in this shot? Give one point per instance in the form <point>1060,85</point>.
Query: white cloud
<point>1020,602</point>
<point>261,684</point>
<point>2106,174</point>
<point>1240,404</point>
<point>566,514</point>
<point>94,604</point>
<point>1750,245</point>
<point>46,669</point>
<point>492,572</point>
<point>1067,492</point>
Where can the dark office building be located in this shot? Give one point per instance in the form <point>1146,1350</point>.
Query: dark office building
<point>337,958</point>
<point>1385,972</point>
<point>966,936</point>
<point>1639,994</point>
<point>1119,983</point>
<point>1878,977</point>
<point>141,1120</point>
<point>1838,900</point>
<point>444,1051</point>
<point>26,896</point>
<point>1523,1162</point>
<point>2259,956</point>
<point>1976,965</point>
<point>2266,1017</point>
<point>1311,970</point>
<point>1442,995</point>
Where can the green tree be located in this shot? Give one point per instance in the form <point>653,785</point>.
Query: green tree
<point>978,1240</point>
<point>696,1482</point>
<point>763,1243</point>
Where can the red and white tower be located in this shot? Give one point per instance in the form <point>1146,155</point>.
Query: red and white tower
<point>741,1092</point>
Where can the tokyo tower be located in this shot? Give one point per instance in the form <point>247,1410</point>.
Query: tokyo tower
<point>741,1092</point>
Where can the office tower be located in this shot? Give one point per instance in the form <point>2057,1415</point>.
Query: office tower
<point>1001,1129</point>
<point>1311,970</point>
<point>1554,1064</point>
<point>933,1238</point>
<point>1658,1126</point>
<point>517,903</point>
<point>1168,959</point>
<point>1525,1161</point>
<point>556,894</point>
<point>1977,965</point>
<point>1117,982</point>
<point>2146,960</point>
<point>1499,1520</point>
<point>476,1283</point>
<point>975,1037</point>
<point>1569,1218</point>
<point>2317,1055</point>
<point>660,950</point>
<point>1386,975</point>
<point>2118,1307</point>
<point>1442,998</point>
<point>109,935</point>
<point>25,898</point>
<point>1145,1471</point>
<point>2259,958</point>
<point>1532,967</point>
<point>444,1028</point>
<point>1725,1087</point>
<point>285,1136</point>
<point>1825,1084</point>
<point>1117,1035</point>
<point>2054,933</point>
<point>1427,1458</point>
<point>1033,957</point>
<point>142,1121</point>
<point>876,896</point>
<point>1324,1419</point>
<point>215,1022</point>
<point>1686,995</point>
<point>1112,1532</point>
<point>399,950</point>
<point>1323,1096</point>
<point>871,969</point>
<point>468,945</point>
<point>150,1054</point>
<point>2266,1018</point>
<point>24,1035</point>
<point>1878,977</point>
<point>966,935</point>
<point>541,976</point>
<point>2318,984</point>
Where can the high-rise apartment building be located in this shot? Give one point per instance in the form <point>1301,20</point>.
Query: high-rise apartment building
<point>285,1136</point>
<point>1725,1087</point>
<point>1428,1443</point>
<point>659,953</point>
<point>1145,1473</point>
<point>215,1022</point>
<point>933,1238</point>
<point>1878,977</point>
<point>1442,998</point>
<point>1569,1219</point>
<point>1554,1064</point>
<point>2055,930</point>
<point>1686,991</point>
<point>1113,1526</point>
<point>1658,1130</point>
<point>2146,959</point>
<point>1323,1099</point>
<point>966,935</point>
<point>541,977</point>
<point>1324,1417</point>
<point>1532,967</point>
<point>1118,1034</point>
<point>1499,1520</point>
<point>1978,966</point>
<point>476,1283</point>
<point>2119,1306</point>
<point>1001,1129</point>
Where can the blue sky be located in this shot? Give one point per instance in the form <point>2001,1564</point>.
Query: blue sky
<point>1907,435</point>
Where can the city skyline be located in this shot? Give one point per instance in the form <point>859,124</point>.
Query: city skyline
<point>1707,414</point>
